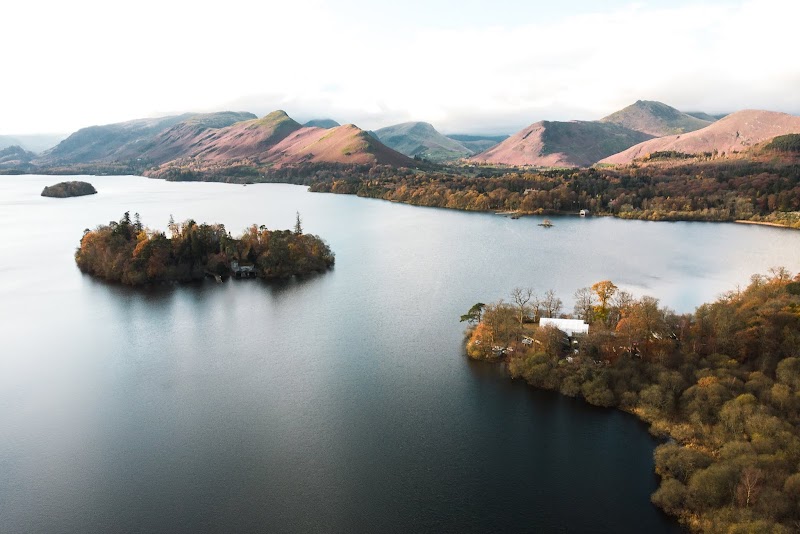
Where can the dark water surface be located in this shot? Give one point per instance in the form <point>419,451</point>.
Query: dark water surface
<point>341,403</point>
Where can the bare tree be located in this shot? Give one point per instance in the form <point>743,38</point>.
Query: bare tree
<point>521,296</point>
<point>620,306</point>
<point>551,304</point>
<point>584,303</point>
<point>749,486</point>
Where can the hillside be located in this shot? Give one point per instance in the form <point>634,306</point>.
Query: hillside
<point>705,116</point>
<point>420,139</point>
<point>478,143</point>
<point>128,140</point>
<point>246,139</point>
<point>15,157</point>
<point>655,118</point>
<point>562,144</point>
<point>33,143</point>
<point>346,144</point>
<point>322,123</point>
<point>250,149</point>
<point>734,133</point>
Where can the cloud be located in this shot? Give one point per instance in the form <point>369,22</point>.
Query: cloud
<point>84,63</point>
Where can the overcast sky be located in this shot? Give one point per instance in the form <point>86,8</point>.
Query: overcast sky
<point>464,65</point>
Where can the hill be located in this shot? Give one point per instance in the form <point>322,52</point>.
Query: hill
<point>246,139</point>
<point>15,157</point>
<point>420,139</point>
<point>346,144</point>
<point>247,150</point>
<point>478,143</point>
<point>128,140</point>
<point>655,118</point>
<point>562,144</point>
<point>705,116</point>
<point>33,143</point>
<point>322,123</point>
<point>734,133</point>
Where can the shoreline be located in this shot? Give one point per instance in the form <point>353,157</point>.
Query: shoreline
<point>765,223</point>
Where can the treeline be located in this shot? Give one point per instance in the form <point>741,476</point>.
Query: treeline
<point>127,252</point>
<point>722,383</point>
<point>717,190</point>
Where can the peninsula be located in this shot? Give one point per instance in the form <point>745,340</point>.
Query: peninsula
<point>722,384</point>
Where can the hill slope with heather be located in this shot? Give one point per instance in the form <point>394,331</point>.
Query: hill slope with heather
<point>142,138</point>
<point>562,144</point>
<point>736,132</point>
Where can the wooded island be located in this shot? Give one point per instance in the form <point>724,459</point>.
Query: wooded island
<point>69,189</point>
<point>126,251</point>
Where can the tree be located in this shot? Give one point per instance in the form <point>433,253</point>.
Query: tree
<point>521,296</point>
<point>749,486</point>
<point>474,315</point>
<point>584,303</point>
<point>501,324</point>
<point>298,229</point>
<point>551,304</point>
<point>604,290</point>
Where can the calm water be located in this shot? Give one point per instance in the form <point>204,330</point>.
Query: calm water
<point>336,404</point>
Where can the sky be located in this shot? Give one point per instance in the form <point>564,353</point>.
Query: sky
<point>466,66</point>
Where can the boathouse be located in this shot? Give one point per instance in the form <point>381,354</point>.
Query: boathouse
<point>243,271</point>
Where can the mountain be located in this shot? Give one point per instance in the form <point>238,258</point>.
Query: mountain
<point>247,138</point>
<point>562,144</point>
<point>420,139</point>
<point>733,133</point>
<point>33,143</point>
<point>478,143</point>
<point>322,123</point>
<point>655,118</point>
<point>344,144</point>
<point>127,140</point>
<point>15,157</point>
<point>276,141</point>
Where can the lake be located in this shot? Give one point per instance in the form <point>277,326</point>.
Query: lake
<point>339,403</point>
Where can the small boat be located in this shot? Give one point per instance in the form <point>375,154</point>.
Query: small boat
<point>547,223</point>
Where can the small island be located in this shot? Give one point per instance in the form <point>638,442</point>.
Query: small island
<point>126,251</point>
<point>69,189</point>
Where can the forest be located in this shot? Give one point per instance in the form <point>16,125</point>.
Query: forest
<point>126,251</point>
<point>698,190</point>
<point>721,386</point>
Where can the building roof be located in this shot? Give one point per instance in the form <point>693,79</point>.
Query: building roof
<point>568,326</point>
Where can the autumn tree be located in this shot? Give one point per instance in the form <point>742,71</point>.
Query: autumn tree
<point>604,290</point>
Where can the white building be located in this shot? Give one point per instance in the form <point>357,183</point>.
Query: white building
<point>568,326</point>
